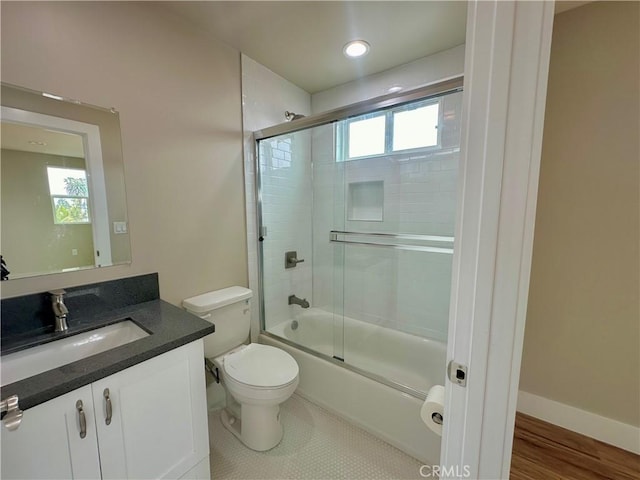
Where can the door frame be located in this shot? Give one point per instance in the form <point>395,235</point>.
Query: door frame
<point>506,68</point>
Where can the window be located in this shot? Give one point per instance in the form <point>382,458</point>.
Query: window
<point>69,195</point>
<point>367,137</point>
<point>415,128</point>
<point>406,128</point>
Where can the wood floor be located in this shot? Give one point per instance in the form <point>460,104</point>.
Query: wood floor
<point>542,451</point>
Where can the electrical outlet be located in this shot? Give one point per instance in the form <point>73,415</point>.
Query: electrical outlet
<point>74,251</point>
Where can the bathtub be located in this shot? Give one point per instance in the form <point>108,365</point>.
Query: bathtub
<point>381,385</point>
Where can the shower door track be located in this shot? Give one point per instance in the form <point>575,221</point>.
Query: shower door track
<point>372,376</point>
<point>386,101</point>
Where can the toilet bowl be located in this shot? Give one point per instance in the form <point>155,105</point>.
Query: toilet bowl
<point>257,378</point>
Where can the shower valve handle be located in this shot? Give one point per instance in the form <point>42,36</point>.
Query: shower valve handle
<point>291,259</point>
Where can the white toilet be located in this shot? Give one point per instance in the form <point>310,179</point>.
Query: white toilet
<point>257,378</point>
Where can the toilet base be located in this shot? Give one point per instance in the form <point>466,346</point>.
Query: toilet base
<point>258,426</point>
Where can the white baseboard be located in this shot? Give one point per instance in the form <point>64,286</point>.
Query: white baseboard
<point>586,423</point>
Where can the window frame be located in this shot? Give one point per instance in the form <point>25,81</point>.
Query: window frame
<point>343,138</point>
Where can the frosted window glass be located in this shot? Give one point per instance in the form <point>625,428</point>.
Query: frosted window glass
<point>366,137</point>
<point>415,128</point>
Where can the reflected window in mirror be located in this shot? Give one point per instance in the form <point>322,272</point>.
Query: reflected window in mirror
<point>69,195</point>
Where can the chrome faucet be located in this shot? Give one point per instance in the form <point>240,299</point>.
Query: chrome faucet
<point>59,310</point>
<point>293,300</point>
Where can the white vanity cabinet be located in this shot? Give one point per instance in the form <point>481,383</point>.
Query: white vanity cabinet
<point>147,421</point>
<point>158,425</point>
<point>48,444</point>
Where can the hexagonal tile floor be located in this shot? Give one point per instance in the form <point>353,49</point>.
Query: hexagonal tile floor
<point>316,445</point>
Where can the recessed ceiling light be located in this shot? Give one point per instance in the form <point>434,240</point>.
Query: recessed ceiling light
<point>356,48</point>
<point>394,89</point>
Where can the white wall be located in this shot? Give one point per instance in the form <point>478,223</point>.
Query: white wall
<point>178,94</point>
<point>266,96</point>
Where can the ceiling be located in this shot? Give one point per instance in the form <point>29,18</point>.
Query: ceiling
<point>35,139</point>
<point>303,41</point>
<point>564,5</point>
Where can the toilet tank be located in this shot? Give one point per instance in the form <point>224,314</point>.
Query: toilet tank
<point>229,309</point>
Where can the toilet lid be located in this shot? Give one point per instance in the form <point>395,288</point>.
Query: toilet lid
<point>261,366</point>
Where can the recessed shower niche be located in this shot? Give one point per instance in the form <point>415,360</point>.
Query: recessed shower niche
<point>365,201</point>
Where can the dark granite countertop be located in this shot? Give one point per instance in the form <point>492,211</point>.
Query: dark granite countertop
<point>169,327</point>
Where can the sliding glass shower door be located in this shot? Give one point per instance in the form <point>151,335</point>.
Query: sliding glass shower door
<point>369,203</point>
<point>296,306</point>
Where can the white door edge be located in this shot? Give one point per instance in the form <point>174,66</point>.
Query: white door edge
<point>506,69</point>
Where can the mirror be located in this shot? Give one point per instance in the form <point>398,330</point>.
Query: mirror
<point>63,202</point>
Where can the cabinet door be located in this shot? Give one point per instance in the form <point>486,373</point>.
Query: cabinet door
<point>158,425</point>
<point>47,444</point>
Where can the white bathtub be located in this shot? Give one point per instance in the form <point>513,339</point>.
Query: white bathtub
<point>385,411</point>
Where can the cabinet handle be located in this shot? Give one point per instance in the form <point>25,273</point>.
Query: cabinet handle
<point>107,398</point>
<point>82,418</point>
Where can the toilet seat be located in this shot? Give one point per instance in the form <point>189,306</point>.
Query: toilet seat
<point>261,366</point>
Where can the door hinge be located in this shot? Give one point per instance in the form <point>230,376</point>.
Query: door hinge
<point>457,373</point>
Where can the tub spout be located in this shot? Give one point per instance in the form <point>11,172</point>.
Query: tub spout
<point>298,301</point>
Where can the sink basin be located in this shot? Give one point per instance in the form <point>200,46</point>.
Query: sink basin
<point>35,360</point>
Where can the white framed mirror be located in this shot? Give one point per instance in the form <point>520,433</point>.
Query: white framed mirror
<point>63,199</point>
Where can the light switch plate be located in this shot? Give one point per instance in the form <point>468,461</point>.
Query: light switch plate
<point>119,227</point>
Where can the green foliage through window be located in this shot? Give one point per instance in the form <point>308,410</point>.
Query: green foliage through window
<point>69,195</point>
<point>76,187</point>
<point>70,210</point>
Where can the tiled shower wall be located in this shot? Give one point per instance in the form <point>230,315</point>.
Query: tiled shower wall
<point>265,98</point>
<point>285,165</point>
<point>400,289</point>
<point>393,288</point>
